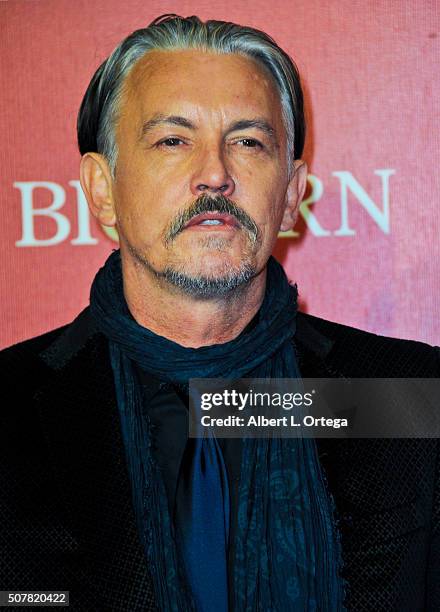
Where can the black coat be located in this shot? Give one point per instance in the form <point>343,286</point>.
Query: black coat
<point>66,517</point>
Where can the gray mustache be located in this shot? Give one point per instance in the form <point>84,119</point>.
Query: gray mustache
<point>206,203</point>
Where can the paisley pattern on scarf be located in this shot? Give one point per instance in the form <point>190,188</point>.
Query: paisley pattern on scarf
<point>288,550</point>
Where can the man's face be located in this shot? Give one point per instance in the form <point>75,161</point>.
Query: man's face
<point>169,169</point>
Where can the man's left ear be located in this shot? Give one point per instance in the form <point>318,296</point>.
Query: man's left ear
<point>294,195</point>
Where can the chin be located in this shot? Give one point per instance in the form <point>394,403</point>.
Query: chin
<point>212,276</point>
<point>215,252</point>
<point>213,263</point>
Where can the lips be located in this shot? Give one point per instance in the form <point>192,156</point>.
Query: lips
<point>213,219</point>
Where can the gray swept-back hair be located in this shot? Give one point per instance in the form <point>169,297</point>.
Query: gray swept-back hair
<point>99,109</point>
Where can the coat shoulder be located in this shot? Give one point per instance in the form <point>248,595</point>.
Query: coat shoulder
<point>58,343</point>
<point>363,353</point>
<point>32,346</point>
<point>21,362</point>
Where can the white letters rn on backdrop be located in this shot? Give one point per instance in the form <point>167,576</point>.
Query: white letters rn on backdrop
<point>347,182</point>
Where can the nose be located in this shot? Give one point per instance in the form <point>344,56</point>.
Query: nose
<point>212,176</point>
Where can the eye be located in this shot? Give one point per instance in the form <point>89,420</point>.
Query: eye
<point>169,142</point>
<point>251,143</point>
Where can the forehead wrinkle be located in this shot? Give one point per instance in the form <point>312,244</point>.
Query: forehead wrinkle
<point>148,66</point>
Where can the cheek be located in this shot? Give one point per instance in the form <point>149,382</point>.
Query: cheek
<point>131,210</point>
<point>144,214</point>
<point>267,193</point>
<point>272,209</point>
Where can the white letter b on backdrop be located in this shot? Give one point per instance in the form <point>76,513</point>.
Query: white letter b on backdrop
<point>28,213</point>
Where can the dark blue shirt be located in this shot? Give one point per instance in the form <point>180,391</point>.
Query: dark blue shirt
<point>167,407</point>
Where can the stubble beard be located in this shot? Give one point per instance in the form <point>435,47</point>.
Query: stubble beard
<point>228,278</point>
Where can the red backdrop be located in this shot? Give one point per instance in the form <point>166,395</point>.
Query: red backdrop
<point>366,251</point>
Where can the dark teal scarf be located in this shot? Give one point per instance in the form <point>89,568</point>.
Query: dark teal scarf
<point>288,553</point>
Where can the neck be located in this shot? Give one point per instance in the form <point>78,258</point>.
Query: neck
<point>190,322</point>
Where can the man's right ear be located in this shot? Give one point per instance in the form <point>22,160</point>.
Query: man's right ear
<point>96,182</point>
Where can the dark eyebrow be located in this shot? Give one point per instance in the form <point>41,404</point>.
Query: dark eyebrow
<point>241,124</point>
<point>259,124</point>
<point>160,119</point>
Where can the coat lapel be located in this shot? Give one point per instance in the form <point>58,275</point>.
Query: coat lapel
<point>79,414</point>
